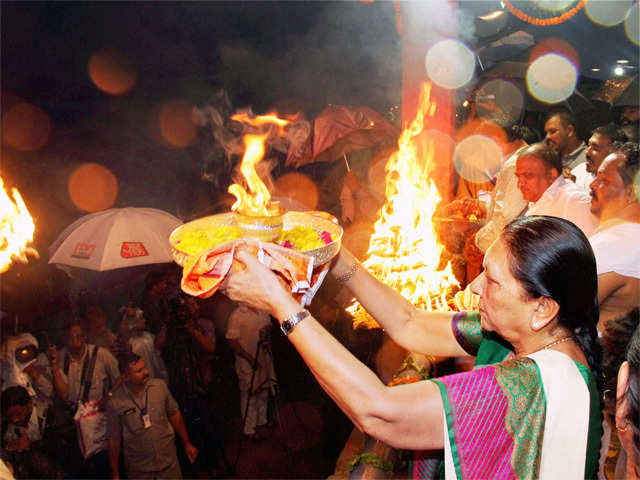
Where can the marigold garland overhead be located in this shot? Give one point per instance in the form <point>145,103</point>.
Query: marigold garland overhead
<point>543,22</point>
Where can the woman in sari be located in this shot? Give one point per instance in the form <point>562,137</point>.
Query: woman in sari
<point>530,408</point>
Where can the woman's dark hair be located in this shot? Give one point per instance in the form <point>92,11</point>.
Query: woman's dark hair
<point>12,396</point>
<point>633,394</point>
<point>551,257</point>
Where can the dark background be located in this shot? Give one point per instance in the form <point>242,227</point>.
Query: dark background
<point>293,56</point>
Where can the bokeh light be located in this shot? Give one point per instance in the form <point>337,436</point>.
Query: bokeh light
<point>176,124</point>
<point>551,78</point>
<point>25,127</point>
<point>480,126</point>
<point>450,63</point>
<point>92,187</point>
<point>557,46</point>
<point>499,96</point>
<point>111,71</point>
<point>632,23</point>
<point>298,187</point>
<point>443,144</point>
<point>478,158</point>
<point>607,12</point>
<point>554,5</point>
<point>636,186</point>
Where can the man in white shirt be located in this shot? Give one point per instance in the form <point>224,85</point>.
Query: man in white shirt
<point>615,243</point>
<point>538,170</point>
<point>247,329</point>
<point>599,146</point>
<point>506,199</point>
<point>562,136</point>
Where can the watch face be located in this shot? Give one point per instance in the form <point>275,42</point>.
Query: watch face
<point>286,327</point>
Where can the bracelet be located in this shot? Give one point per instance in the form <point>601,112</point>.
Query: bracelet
<point>347,276</point>
<point>372,459</point>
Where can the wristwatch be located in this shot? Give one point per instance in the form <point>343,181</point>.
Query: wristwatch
<point>288,325</point>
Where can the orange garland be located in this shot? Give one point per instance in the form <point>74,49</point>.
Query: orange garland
<point>544,21</point>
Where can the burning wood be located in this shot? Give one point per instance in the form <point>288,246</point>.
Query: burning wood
<point>16,229</point>
<point>403,250</point>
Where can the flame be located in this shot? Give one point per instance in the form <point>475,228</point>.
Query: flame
<point>260,120</point>
<point>403,250</point>
<point>16,229</point>
<point>256,202</point>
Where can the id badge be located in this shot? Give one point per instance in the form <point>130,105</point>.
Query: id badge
<point>146,421</point>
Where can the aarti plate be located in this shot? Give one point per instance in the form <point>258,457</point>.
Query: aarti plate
<point>290,219</point>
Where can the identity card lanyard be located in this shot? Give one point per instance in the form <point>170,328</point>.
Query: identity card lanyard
<point>144,416</point>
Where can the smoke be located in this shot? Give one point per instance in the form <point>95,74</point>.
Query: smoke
<point>348,54</point>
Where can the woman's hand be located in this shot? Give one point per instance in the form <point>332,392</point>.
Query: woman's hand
<point>256,286</point>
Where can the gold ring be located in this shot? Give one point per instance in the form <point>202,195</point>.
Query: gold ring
<point>623,429</point>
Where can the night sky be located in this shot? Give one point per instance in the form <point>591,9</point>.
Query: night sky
<point>298,56</point>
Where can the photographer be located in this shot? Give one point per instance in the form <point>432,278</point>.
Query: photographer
<point>20,364</point>
<point>24,435</point>
<point>187,343</point>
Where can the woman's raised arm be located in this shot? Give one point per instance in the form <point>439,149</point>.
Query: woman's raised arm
<point>406,416</point>
<point>410,327</point>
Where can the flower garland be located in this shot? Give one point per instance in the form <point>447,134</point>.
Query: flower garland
<point>403,380</point>
<point>371,459</point>
<point>543,22</point>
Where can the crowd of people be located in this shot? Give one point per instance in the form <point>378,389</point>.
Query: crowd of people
<point>556,265</point>
<point>105,402</point>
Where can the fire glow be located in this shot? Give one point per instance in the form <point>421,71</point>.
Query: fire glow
<point>16,229</point>
<point>403,250</point>
<point>257,201</point>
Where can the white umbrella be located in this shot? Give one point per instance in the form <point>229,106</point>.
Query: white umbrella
<point>116,238</point>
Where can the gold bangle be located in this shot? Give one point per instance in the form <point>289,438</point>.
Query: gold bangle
<point>347,276</point>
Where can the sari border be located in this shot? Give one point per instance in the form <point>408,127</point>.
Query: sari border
<point>467,331</point>
<point>594,437</point>
<point>449,419</point>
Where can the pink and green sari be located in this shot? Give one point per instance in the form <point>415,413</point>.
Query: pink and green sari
<point>515,418</point>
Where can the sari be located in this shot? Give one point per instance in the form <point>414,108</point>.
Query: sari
<point>515,418</point>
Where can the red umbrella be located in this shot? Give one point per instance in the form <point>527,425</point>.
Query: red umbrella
<point>337,130</point>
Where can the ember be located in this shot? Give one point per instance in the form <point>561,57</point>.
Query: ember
<point>403,250</point>
<point>16,229</point>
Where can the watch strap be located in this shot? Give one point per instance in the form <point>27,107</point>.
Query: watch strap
<point>289,324</point>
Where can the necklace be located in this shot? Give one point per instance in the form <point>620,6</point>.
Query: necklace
<point>549,345</point>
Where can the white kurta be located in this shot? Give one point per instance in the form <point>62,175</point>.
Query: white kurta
<point>564,200</point>
<point>617,249</point>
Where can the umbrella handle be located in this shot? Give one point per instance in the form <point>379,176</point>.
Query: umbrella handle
<point>346,162</point>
